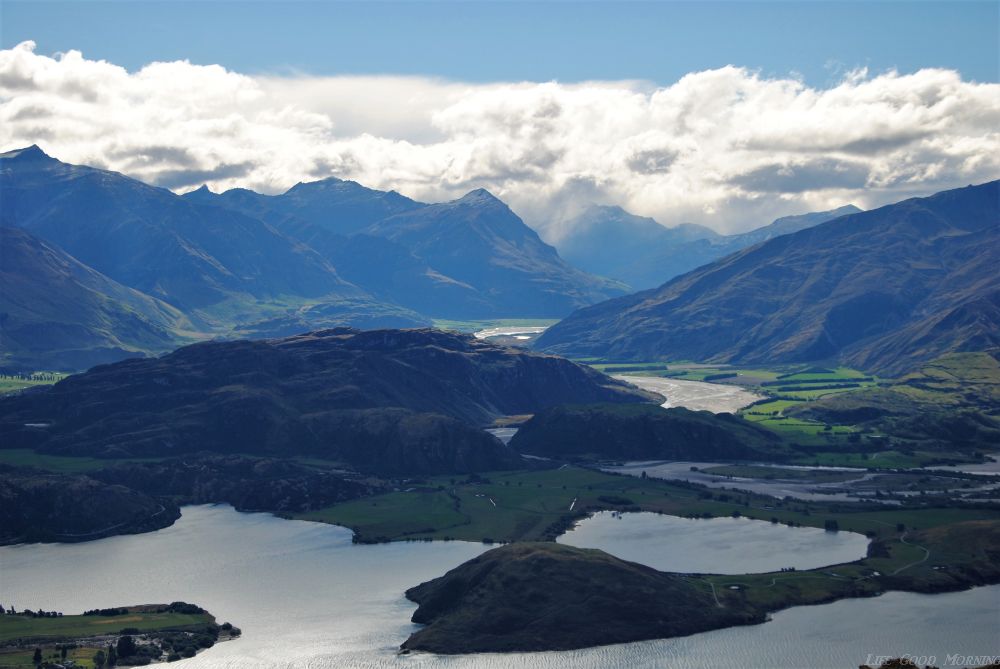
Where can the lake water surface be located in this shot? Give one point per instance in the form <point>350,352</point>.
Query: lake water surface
<point>306,597</point>
<point>713,545</point>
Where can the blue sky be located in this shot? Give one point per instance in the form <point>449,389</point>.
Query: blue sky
<point>508,41</point>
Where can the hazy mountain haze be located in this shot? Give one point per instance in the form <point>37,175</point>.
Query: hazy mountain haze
<point>610,242</point>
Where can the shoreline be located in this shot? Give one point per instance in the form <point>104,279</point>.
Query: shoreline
<point>146,634</point>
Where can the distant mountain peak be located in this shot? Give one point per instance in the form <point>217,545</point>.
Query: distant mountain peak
<point>846,210</point>
<point>29,153</point>
<point>480,196</point>
<point>326,182</point>
<point>594,207</point>
<point>235,191</point>
<point>203,190</point>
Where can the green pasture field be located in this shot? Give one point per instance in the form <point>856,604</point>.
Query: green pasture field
<point>770,473</point>
<point>24,627</point>
<point>889,459</point>
<point>10,383</point>
<point>529,504</point>
<point>921,546</point>
<point>25,457</point>
<point>14,657</point>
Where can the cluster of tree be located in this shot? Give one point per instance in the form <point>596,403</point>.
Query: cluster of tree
<point>719,377</point>
<point>616,500</point>
<point>637,368</point>
<point>811,383</point>
<point>110,658</point>
<point>29,613</point>
<point>39,660</point>
<point>106,612</point>
<point>30,376</point>
<point>181,607</point>
<point>829,386</point>
<point>724,497</point>
<point>179,645</point>
<point>129,653</point>
<point>174,644</point>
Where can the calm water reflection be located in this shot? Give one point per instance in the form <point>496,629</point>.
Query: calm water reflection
<point>714,546</point>
<point>306,597</point>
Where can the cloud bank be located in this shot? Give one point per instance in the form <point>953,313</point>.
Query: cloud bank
<point>726,148</point>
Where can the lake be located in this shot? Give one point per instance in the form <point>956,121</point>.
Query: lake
<point>306,597</point>
<point>713,545</point>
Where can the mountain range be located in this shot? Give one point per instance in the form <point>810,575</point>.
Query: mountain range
<point>98,267</point>
<point>323,254</point>
<point>883,290</point>
<point>609,241</point>
<point>469,258</point>
<point>192,257</point>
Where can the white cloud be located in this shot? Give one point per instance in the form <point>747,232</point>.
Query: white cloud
<point>726,148</point>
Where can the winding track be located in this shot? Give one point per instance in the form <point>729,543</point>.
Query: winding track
<point>927,554</point>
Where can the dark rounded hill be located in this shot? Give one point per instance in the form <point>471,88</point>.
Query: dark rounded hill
<point>38,505</point>
<point>385,401</point>
<point>643,432</point>
<point>546,596</point>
